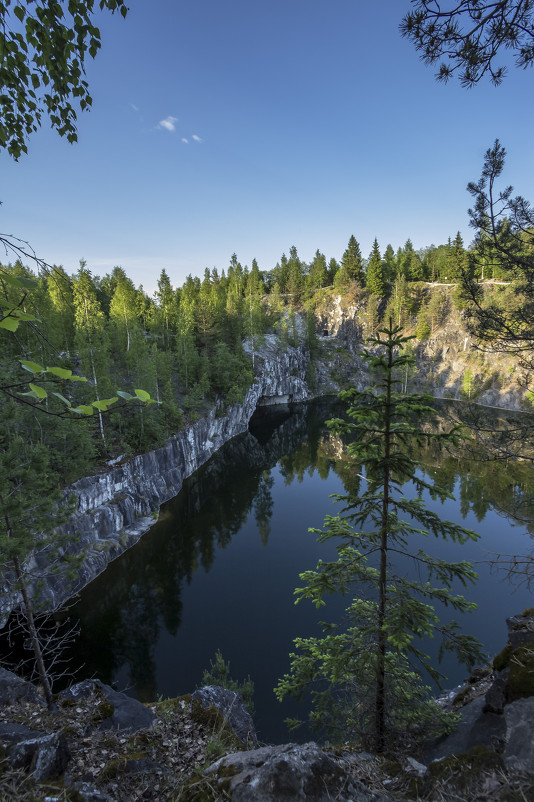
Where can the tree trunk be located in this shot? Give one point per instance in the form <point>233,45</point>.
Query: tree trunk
<point>100,419</point>
<point>380,699</point>
<point>36,645</point>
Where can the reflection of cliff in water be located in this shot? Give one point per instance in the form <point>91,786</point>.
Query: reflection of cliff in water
<point>482,470</point>
<point>122,610</point>
<point>138,599</point>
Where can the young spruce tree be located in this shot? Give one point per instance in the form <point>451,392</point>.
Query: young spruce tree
<point>364,675</point>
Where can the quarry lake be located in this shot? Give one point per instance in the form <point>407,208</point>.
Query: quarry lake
<point>219,567</point>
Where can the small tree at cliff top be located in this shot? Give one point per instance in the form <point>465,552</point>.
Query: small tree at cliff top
<point>364,676</point>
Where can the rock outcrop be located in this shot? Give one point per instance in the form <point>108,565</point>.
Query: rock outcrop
<point>13,689</point>
<point>115,507</point>
<point>500,717</point>
<point>117,710</point>
<point>292,772</point>
<point>103,746</point>
<point>231,705</point>
<point>448,364</point>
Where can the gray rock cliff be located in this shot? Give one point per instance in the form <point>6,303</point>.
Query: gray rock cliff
<point>444,359</point>
<point>115,507</point>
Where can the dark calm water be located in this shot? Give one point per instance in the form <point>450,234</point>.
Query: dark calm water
<point>218,569</point>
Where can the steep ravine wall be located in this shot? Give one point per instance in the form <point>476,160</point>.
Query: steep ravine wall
<point>114,508</point>
<point>444,360</point>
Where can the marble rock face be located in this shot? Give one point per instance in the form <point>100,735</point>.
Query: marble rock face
<point>114,508</point>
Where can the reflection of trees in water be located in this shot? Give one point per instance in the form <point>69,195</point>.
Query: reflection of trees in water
<point>484,485</point>
<point>122,611</point>
<point>504,442</point>
<point>263,506</point>
<point>321,451</point>
<point>322,455</point>
<point>472,471</point>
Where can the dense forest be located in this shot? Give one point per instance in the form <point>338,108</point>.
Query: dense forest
<point>184,345</point>
<point>93,370</point>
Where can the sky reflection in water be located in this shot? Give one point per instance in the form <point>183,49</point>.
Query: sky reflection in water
<point>219,568</point>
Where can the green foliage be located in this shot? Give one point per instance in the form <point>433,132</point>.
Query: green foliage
<point>344,668</point>
<point>318,273</point>
<point>351,262</point>
<point>30,511</point>
<point>504,243</point>
<point>182,349</point>
<point>375,279</point>
<point>333,267</point>
<point>468,384</point>
<point>219,674</point>
<point>390,265</point>
<point>399,306</point>
<point>423,330</point>
<point>231,373</point>
<point>44,47</point>
<point>458,258</point>
<point>411,266</point>
<point>295,276</point>
<point>372,317</point>
<point>469,37</point>
<point>29,489</point>
<point>360,686</point>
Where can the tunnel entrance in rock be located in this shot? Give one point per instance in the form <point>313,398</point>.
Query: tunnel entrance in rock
<point>267,417</point>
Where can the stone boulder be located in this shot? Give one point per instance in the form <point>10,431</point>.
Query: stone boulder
<point>13,733</point>
<point>501,717</point>
<point>521,629</point>
<point>495,698</point>
<point>519,748</point>
<point>475,728</point>
<point>232,707</point>
<point>288,773</point>
<point>44,756</point>
<point>119,711</point>
<point>13,689</point>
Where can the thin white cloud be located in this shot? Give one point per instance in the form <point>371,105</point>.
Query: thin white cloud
<point>197,138</point>
<point>185,141</point>
<point>168,123</point>
<point>134,107</point>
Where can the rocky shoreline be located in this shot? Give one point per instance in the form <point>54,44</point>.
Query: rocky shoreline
<point>114,508</point>
<point>102,746</point>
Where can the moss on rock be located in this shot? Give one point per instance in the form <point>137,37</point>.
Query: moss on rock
<point>462,696</point>
<point>212,718</point>
<point>502,660</point>
<point>464,770</point>
<point>520,683</point>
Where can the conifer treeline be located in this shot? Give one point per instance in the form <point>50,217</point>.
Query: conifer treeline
<point>184,345</point>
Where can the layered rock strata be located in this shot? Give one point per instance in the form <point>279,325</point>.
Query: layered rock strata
<point>115,507</point>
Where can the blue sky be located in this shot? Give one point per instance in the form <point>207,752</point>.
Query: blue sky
<point>252,126</point>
